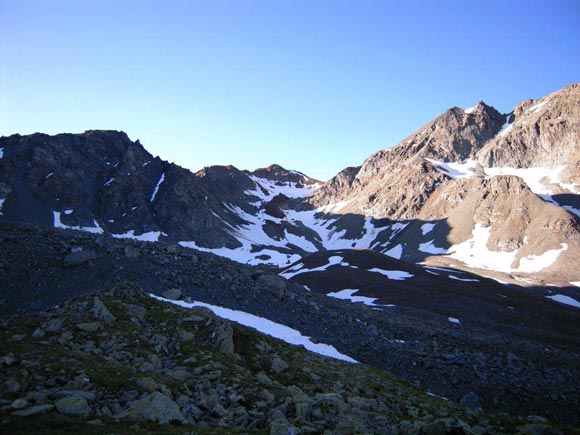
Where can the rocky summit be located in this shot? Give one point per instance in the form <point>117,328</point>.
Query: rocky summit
<point>433,289</point>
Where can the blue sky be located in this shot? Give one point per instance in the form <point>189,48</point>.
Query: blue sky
<point>314,85</point>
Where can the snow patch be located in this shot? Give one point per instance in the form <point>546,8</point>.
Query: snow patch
<point>475,253</point>
<point>427,228</point>
<point>1,204</point>
<point>463,279</point>
<point>265,326</point>
<point>563,299</point>
<point>332,261</point>
<point>430,248</point>
<point>506,127</point>
<point>348,294</point>
<point>58,224</point>
<point>151,236</point>
<point>396,252</point>
<point>455,171</point>
<point>454,320</point>
<point>157,187</point>
<point>396,275</point>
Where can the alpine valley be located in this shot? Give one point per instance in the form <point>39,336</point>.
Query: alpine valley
<point>433,289</point>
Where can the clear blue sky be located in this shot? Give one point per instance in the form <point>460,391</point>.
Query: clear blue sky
<point>314,85</point>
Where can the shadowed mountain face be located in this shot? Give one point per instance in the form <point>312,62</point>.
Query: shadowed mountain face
<point>476,189</point>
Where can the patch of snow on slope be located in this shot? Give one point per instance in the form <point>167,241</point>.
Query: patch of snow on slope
<point>332,261</point>
<point>463,279</point>
<point>395,275</point>
<point>265,326</point>
<point>1,153</point>
<point>469,110</point>
<point>1,204</point>
<point>475,253</point>
<point>300,241</point>
<point>506,127</point>
<point>454,320</point>
<point>396,252</point>
<point>535,263</point>
<point>246,254</point>
<point>455,170</point>
<point>331,237</point>
<point>268,189</point>
<point>151,236</point>
<point>563,299</point>
<point>430,248</point>
<point>58,224</point>
<point>348,294</point>
<point>427,228</point>
<point>157,187</point>
<point>575,283</point>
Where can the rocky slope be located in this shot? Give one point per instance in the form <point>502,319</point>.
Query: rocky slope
<point>120,356</point>
<point>514,348</point>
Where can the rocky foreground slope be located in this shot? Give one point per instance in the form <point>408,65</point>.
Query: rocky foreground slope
<point>120,361</point>
<point>514,348</point>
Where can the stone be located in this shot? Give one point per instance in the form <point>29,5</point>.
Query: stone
<point>79,257</point>
<point>53,325</point>
<point>278,365</point>
<point>173,294</point>
<point>131,252</point>
<point>73,405</point>
<point>89,327</point>
<point>101,312</point>
<point>137,311</point>
<point>538,429</point>
<point>274,283</point>
<point>471,400</point>
<point>156,407</point>
<point>38,333</point>
<point>437,427</point>
<point>33,410</point>
<point>19,403</point>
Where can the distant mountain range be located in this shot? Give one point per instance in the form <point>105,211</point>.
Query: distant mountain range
<point>474,189</point>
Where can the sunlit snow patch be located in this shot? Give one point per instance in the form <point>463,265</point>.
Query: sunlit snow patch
<point>454,320</point>
<point>455,170</point>
<point>348,294</point>
<point>395,275</point>
<point>58,224</point>
<point>475,253</point>
<point>563,299</point>
<point>265,326</point>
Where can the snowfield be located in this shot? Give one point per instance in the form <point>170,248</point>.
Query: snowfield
<point>265,326</point>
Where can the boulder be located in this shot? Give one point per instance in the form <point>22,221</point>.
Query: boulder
<point>79,257</point>
<point>73,405</point>
<point>156,407</point>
